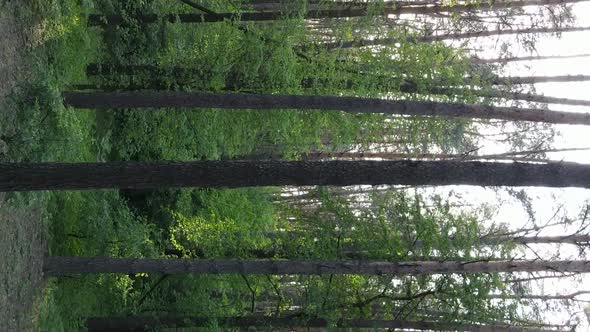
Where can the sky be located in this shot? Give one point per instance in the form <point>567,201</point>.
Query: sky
<point>548,200</point>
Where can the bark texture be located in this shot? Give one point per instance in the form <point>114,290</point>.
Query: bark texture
<point>59,266</point>
<point>144,323</point>
<point>252,173</point>
<point>161,99</point>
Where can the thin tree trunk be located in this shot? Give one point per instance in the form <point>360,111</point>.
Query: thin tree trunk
<point>577,239</point>
<point>236,173</point>
<point>276,5</point>
<point>145,323</point>
<point>506,94</point>
<point>527,58</point>
<point>160,99</point>
<point>574,239</point>
<point>352,252</point>
<point>59,266</point>
<point>392,9</point>
<point>538,79</point>
<point>571,296</point>
<point>537,278</point>
<point>530,97</point>
<point>513,155</point>
<point>448,36</point>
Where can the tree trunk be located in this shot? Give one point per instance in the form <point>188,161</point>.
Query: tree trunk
<point>448,36</point>
<point>145,323</point>
<point>538,79</point>
<point>509,95</point>
<point>59,266</point>
<point>513,155</point>
<point>577,239</point>
<point>239,173</point>
<point>571,296</point>
<point>391,9</point>
<point>160,99</point>
<point>526,58</point>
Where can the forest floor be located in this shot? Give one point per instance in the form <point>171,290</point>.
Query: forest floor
<point>21,235</point>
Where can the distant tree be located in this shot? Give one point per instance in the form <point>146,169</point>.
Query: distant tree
<point>159,99</point>
<point>448,36</point>
<point>526,58</point>
<point>538,79</point>
<point>570,297</point>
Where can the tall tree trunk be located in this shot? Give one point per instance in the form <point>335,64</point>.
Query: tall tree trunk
<point>448,36</point>
<point>513,155</point>
<point>526,58</point>
<point>145,323</point>
<point>574,239</point>
<point>59,266</point>
<point>392,9</point>
<point>276,5</point>
<point>239,173</point>
<point>571,296</point>
<point>538,79</point>
<point>509,95</point>
<point>577,239</point>
<point>160,99</point>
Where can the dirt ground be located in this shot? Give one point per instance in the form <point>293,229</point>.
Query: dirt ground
<point>21,261</point>
<point>21,236</point>
<point>13,43</point>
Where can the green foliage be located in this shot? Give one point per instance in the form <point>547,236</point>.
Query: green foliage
<point>239,217</point>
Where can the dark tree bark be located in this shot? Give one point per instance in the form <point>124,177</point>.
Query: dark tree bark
<point>240,173</point>
<point>391,9</point>
<point>161,99</point>
<point>59,266</point>
<point>144,323</point>
<point>276,5</point>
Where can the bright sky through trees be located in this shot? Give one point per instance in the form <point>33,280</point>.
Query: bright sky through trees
<point>546,201</point>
